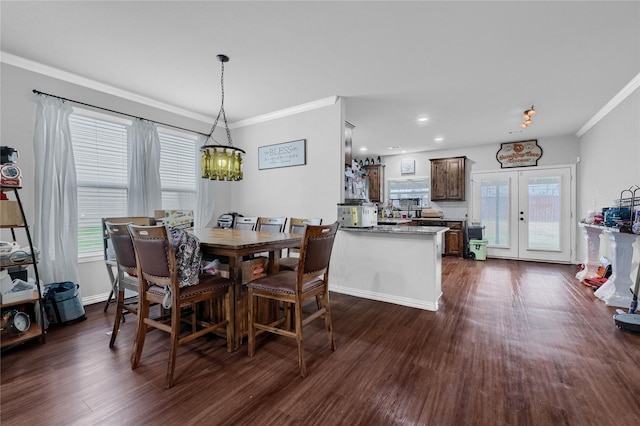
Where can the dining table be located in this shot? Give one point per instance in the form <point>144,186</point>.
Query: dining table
<point>235,245</point>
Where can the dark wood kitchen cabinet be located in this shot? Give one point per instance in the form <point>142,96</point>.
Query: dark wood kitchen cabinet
<point>448,179</point>
<point>376,182</point>
<point>454,239</point>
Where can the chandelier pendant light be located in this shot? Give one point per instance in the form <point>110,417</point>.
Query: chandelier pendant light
<point>221,162</point>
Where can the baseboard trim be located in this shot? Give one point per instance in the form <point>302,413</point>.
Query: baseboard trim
<point>97,298</point>
<point>382,297</point>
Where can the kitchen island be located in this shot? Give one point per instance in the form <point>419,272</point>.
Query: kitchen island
<point>391,263</point>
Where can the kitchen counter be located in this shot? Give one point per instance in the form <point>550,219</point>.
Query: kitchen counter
<point>392,221</point>
<point>398,229</point>
<point>389,263</point>
<point>445,219</point>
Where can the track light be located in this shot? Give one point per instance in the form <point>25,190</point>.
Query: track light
<point>527,117</point>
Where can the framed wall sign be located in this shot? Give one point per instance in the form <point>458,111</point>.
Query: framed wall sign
<point>407,167</point>
<point>284,154</point>
<point>519,154</point>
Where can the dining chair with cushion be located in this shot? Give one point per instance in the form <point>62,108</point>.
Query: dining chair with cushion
<point>296,226</point>
<point>159,280</point>
<point>109,256</point>
<point>271,224</point>
<point>126,270</point>
<point>295,288</point>
<point>119,255</point>
<point>245,223</point>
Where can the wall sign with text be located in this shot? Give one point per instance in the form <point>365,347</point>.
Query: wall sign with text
<point>284,154</point>
<point>519,154</point>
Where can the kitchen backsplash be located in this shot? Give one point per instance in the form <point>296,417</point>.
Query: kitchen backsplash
<point>452,209</point>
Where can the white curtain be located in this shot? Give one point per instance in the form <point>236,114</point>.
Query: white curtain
<point>203,216</point>
<point>145,190</point>
<point>56,202</point>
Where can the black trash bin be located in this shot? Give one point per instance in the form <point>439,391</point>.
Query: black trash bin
<point>474,232</point>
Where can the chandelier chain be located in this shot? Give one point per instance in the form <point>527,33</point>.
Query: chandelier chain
<point>222,111</point>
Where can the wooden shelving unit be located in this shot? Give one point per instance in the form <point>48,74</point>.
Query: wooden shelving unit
<point>33,309</point>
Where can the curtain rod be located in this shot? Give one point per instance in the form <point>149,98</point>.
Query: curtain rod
<point>37,92</point>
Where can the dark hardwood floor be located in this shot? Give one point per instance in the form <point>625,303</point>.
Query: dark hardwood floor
<point>514,343</point>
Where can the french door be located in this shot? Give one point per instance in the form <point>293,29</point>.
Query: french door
<point>526,214</point>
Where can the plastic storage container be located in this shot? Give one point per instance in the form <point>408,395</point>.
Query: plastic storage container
<point>478,248</point>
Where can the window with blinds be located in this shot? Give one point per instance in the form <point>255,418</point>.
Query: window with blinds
<point>100,152</point>
<point>177,170</point>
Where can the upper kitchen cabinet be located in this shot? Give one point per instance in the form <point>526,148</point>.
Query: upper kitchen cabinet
<point>447,179</point>
<point>348,135</point>
<point>375,172</point>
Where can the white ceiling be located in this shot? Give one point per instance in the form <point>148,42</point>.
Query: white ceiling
<point>471,67</point>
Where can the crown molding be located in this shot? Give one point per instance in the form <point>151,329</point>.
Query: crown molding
<point>611,105</point>
<point>56,73</point>
<point>320,103</point>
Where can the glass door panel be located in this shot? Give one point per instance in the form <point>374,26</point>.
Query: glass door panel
<point>544,209</point>
<point>495,215</point>
<point>544,213</point>
<point>494,206</point>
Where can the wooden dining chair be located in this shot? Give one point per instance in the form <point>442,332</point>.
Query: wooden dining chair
<point>295,288</point>
<point>296,226</point>
<point>158,275</point>
<point>126,270</point>
<point>245,223</point>
<point>271,224</point>
<point>109,257</point>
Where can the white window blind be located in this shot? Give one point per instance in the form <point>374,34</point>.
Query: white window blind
<point>177,170</point>
<point>100,151</point>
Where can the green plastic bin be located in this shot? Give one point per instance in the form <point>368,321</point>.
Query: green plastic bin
<point>479,249</point>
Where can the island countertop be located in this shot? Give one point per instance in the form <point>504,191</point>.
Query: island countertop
<point>404,230</point>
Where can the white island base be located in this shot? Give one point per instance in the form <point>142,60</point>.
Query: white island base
<point>395,264</point>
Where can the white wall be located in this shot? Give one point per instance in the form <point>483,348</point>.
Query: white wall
<point>307,191</point>
<point>610,162</point>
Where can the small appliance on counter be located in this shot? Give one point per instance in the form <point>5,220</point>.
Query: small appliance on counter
<point>357,214</point>
<point>431,213</point>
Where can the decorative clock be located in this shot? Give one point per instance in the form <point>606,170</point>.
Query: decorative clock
<point>17,322</point>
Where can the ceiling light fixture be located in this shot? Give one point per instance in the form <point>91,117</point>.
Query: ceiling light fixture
<point>422,119</point>
<point>221,162</point>
<point>527,117</point>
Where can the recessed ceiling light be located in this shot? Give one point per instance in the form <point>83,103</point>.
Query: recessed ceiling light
<point>364,148</point>
<point>394,147</point>
<point>423,119</point>
<point>439,139</point>
<point>403,152</point>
